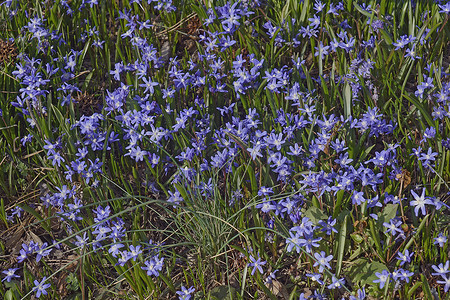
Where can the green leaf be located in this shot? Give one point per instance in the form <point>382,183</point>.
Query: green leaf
<point>3,211</point>
<point>244,280</point>
<point>375,236</point>
<point>366,152</point>
<point>387,37</point>
<point>347,101</point>
<point>419,229</point>
<point>254,185</point>
<point>225,292</point>
<point>357,237</point>
<point>305,6</point>
<point>341,245</point>
<point>315,215</point>
<point>388,213</point>
<point>426,287</point>
<point>286,10</point>
<point>36,215</point>
<point>363,271</point>
<point>87,79</point>
<point>359,8</point>
<point>9,295</point>
<point>412,290</point>
<point>182,191</point>
<point>421,107</point>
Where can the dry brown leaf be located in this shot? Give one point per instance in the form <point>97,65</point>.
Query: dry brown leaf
<point>14,238</point>
<point>278,289</point>
<point>73,262</point>
<point>35,238</point>
<point>404,177</point>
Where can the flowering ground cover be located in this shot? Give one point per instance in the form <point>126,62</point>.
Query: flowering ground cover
<point>168,149</point>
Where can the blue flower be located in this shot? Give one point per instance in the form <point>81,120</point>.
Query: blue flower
<point>319,6</point>
<point>256,264</point>
<point>335,9</point>
<point>446,281</point>
<point>230,15</point>
<point>137,154</point>
<point>255,151</point>
<point>293,241</point>
<point>40,288</point>
<point>336,283</point>
<point>210,19</point>
<point>404,258</point>
<point>445,9</point>
<point>309,241</point>
<point>149,85</point>
<point>393,226</point>
<point>419,202</point>
<point>153,266</point>
<point>403,41</point>
<point>82,241</point>
<point>315,21</point>
<point>383,277</point>
<point>42,252</point>
<point>361,295</point>
<point>343,160</point>
<point>23,255</point>
<point>358,198</point>
<point>441,269</point>
<point>185,294</point>
<point>411,52</point>
<point>266,206</point>
<point>125,256</point>
<point>10,274</point>
<point>321,51</point>
<point>101,232</point>
<point>135,251</point>
<point>327,226</point>
<point>405,275</point>
<point>322,261</point>
<point>315,277</point>
<point>181,81</point>
<point>114,249</point>
<point>427,158</point>
<point>440,240</point>
<point>98,43</point>
<point>348,45</point>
